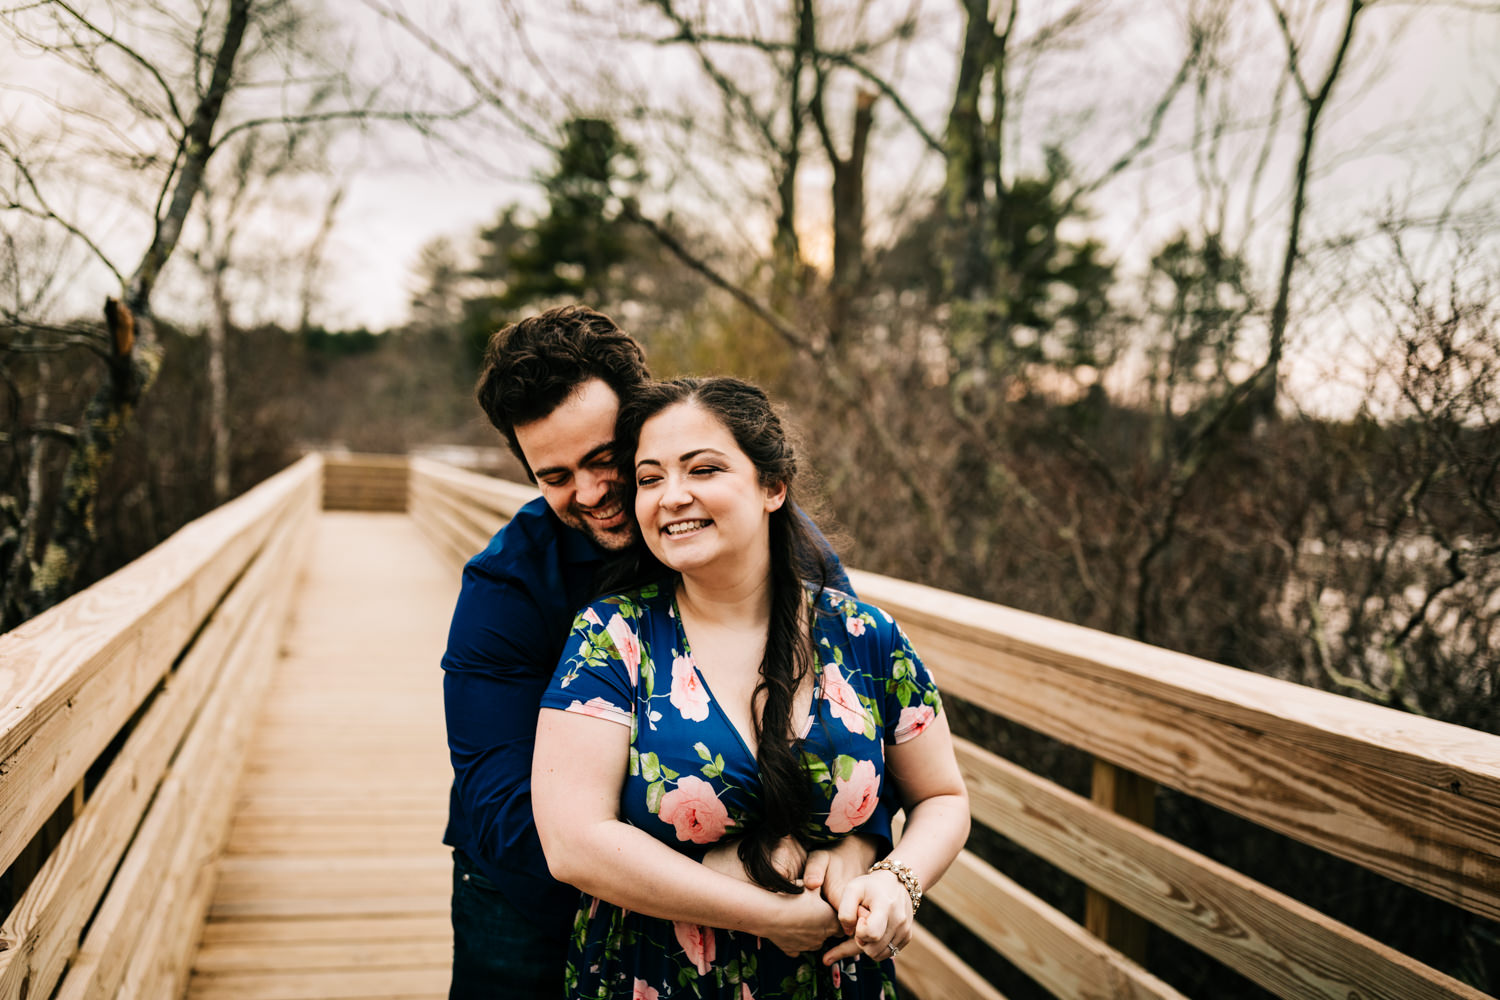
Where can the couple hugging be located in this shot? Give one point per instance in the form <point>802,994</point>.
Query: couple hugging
<point>677,737</point>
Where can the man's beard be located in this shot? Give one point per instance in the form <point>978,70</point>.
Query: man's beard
<point>612,538</point>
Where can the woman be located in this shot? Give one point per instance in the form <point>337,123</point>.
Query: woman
<point>731,700</point>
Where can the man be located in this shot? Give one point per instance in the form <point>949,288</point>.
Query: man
<point>552,385</point>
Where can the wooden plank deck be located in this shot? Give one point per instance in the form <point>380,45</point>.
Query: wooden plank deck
<point>335,882</point>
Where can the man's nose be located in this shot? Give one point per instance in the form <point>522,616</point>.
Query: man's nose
<point>593,487</point>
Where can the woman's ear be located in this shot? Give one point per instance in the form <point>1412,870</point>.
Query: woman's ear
<point>775,497</point>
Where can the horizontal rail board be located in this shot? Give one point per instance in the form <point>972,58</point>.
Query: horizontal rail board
<point>1343,789</point>
<point>159,597</point>
<point>1040,940</point>
<point>140,941</point>
<point>503,497</point>
<point>929,971</point>
<point>43,930</point>
<point>466,521</point>
<point>74,675</point>
<point>1285,946</point>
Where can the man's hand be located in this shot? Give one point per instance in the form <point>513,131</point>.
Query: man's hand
<point>834,868</point>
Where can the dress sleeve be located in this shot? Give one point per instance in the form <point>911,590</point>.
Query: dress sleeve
<point>600,662</point>
<point>911,697</point>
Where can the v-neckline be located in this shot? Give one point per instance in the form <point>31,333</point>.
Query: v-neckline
<point>810,716</point>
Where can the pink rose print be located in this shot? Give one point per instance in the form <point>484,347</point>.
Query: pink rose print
<point>598,708</point>
<point>689,696</point>
<point>838,974</point>
<point>592,617</point>
<point>698,942</point>
<point>696,812</point>
<point>913,720</point>
<point>745,993</point>
<point>627,643</point>
<point>856,626</point>
<point>843,702</point>
<point>854,799</point>
<point>644,992</point>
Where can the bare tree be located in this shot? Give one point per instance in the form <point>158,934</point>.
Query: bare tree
<point>1314,98</point>
<point>157,93</point>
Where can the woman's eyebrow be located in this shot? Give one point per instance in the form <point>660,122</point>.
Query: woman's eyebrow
<point>647,461</point>
<point>688,456</point>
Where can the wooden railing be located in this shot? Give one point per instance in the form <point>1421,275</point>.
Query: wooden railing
<point>124,713</point>
<point>1415,800</point>
<point>364,482</point>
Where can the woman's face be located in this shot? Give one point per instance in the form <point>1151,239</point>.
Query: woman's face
<point>699,501</point>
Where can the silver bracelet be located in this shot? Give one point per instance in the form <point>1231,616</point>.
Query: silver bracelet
<point>908,880</point>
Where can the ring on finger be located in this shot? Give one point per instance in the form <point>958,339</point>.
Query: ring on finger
<point>894,950</point>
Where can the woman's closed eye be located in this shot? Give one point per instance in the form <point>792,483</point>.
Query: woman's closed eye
<point>704,470</point>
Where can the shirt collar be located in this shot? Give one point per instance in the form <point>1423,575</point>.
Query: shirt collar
<point>575,546</point>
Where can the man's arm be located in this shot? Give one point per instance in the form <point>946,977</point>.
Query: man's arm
<point>495,669</point>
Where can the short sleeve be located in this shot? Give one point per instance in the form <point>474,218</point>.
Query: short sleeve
<point>912,701</point>
<point>596,675</point>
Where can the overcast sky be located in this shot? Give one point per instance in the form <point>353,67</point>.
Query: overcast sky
<point>1406,121</point>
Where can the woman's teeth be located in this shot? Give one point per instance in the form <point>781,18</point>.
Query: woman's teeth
<point>683,527</point>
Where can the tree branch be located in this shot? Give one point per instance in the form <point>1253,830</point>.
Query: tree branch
<point>130,53</point>
<point>346,114</point>
<point>836,379</point>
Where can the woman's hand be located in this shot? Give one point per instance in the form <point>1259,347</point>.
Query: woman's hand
<point>803,923</point>
<point>875,913</point>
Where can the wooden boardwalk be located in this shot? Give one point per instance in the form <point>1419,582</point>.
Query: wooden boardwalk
<point>335,882</point>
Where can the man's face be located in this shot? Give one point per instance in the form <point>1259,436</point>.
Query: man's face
<point>571,453</point>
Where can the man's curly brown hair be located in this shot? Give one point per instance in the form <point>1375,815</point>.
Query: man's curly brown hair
<point>532,366</point>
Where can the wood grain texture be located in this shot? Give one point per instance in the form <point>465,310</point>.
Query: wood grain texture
<point>927,970</point>
<point>1041,941</point>
<point>1126,794</point>
<point>476,515</point>
<point>139,942</point>
<point>1407,797</point>
<point>1290,949</point>
<point>334,881</point>
<point>502,496</point>
<point>42,932</point>
<point>72,676</point>
<point>365,482</point>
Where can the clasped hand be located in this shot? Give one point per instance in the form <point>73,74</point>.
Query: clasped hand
<point>871,910</point>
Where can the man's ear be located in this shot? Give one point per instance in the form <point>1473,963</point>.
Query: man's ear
<point>775,496</point>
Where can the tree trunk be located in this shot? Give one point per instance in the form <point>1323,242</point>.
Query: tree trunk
<point>1262,402</point>
<point>132,372</point>
<point>218,389</point>
<point>849,221</point>
<point>969,265</point>
<point>137,356</point>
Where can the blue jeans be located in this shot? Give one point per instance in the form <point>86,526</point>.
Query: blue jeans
<point>500,951</point>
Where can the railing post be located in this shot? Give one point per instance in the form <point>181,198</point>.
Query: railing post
<point>1134,797</point>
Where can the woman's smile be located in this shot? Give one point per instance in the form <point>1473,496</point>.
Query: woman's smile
<point>699,499</point>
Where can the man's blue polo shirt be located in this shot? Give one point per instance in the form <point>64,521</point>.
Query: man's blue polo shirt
<point>515,610</point>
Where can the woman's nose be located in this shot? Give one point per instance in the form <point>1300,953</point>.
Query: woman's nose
<point>676,493</point>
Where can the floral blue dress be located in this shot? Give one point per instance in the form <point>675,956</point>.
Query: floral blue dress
<point>692,781</point>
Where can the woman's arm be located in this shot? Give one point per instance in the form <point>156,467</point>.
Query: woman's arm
<point>577,772</point>
<point>876,910</point>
